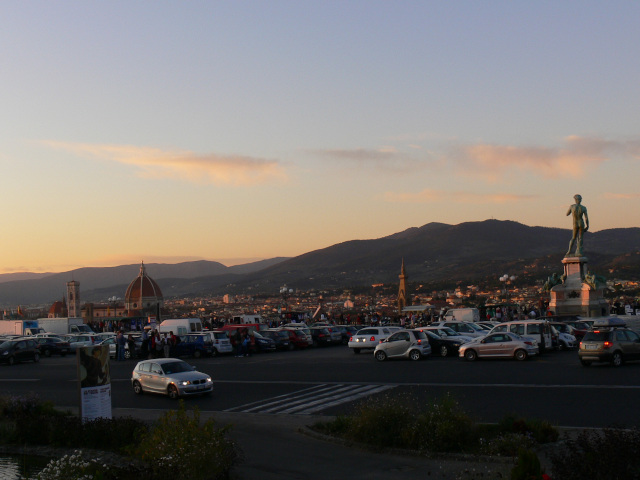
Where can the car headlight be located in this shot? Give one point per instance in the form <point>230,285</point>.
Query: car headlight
<point>208,379</point>
<point>184,383</point>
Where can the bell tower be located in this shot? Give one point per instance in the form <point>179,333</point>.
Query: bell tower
<point>73,299</point>
<point>403,297</point>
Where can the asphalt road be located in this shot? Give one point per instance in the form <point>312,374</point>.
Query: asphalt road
<point>330,381</point>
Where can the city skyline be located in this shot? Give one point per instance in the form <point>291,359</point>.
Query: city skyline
<point>163,132</point>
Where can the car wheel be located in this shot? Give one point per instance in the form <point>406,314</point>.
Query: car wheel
<point>520,355</point>
<point>197,354</point>
<point>36,357</point>
<point>291,346</point>
<point>444,351</point>
<point>415,355</point>
<point>173,392</point>
<point>127,354</point>
<point>47,352</point>
<point>137,388</point>
<point>63,354</point>
<point>585,363</point>
<point>12,360</point>
<point>617,359</point>
<point>381,356</point>
<point>214,352</point>
<point>356,350</point>
<point>470,355</point>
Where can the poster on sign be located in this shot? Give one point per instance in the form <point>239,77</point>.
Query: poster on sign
<point>94,382</point>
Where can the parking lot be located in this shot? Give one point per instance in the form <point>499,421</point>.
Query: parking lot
<point>331,380</point>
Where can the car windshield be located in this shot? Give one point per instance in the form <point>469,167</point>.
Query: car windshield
<point>6,344</point>
<point>475,327</point>
<point>258,335</point>
<point>176,367</point>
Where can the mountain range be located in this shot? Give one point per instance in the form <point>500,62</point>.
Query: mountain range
<point>436,254</point>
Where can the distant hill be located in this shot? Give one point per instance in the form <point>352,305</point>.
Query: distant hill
<point>435,253</point>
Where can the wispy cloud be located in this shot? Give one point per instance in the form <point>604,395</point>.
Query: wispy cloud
<point>431,196</point>
<point>185,165</point>
<point>574,159</point>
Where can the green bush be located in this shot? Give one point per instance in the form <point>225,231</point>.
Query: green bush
<point>610,454</point>
<point>528,466</point>
<point>180,448</point>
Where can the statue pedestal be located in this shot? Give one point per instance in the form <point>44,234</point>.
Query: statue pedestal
<point>575,296</point>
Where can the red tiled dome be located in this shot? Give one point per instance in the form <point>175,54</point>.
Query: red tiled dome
<point>143,292</point>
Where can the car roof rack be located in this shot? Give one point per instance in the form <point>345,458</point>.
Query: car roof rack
<point>611,322</point>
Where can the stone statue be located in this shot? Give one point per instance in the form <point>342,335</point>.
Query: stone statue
<point>580,225</point>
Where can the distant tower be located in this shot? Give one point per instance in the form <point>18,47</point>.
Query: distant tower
<point>73,299</point>
<point>403,297</point>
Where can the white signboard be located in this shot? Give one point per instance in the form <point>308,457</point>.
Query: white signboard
<point>94,380</point>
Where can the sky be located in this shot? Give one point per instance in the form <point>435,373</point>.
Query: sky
<point>234,131</point>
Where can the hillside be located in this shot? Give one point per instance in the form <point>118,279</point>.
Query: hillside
<point>434,253</point>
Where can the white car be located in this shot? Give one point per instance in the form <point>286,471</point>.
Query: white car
<point>411,344</point>
<point>467,329</point>
<point>446,332</point>
<point>169,376</point>
<point>370,337</point>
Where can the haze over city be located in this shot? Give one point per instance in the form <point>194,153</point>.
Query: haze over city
<point>237,131</point>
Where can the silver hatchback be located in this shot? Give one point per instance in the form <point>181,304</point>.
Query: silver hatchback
<point>411,344</point>
<point>169,376</point>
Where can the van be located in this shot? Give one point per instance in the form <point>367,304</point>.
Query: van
<point>540,330</point>
<point>247,319</point>
<point>462,315</point>
<point>181,326</point>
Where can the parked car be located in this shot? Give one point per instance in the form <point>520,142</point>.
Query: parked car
<point>565,339</point>
<point>540,330</point>
<point>52,346</point>
<point>280,337</point>
<point>80,340</point>
<point>220,341</point>
<point>19,350</point>
<point>261,343</point>
<point>443,346</point>
<point>370,337</point>
<point>193,345</point>
<point>411,344</point>
<point>298,338</point>
<point>496,345</point>
<point>609,341</point>
<point>169,376</point>
<point>445,332</point>
<point>321,336</point>
<point>467,329</point>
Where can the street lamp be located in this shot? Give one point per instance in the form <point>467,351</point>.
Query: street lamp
<point>506,280</point>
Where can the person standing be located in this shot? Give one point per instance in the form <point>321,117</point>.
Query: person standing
<point>144,353</point>
<point>120,343</point>
<point>166,346</point>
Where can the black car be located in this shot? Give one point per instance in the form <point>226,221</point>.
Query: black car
<point>280,337</point>
<point>19,350</point>
<point>443,346</point>
<point>52,346</point>
<point>321,336</point>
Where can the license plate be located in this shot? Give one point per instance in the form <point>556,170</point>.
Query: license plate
<point>591,347</point>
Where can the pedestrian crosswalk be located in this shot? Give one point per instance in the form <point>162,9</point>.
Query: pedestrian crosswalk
<point>311,400</point>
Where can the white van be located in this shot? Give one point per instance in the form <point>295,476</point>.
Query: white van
<point>540,330</point>
<point>181,326</point>
<point>462,315</point>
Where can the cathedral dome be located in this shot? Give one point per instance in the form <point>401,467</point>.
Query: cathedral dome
<point>143,293</point>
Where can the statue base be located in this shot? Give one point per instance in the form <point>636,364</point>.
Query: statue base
<point>575,296</point>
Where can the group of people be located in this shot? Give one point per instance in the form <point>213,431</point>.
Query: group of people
<point>154,344</point>
<point>242,342</point>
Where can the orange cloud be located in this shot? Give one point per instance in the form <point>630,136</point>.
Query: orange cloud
<point>156,163</point>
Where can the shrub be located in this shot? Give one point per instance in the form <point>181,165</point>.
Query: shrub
<point>610,454</point>
<point>179,447</point>
<point>528,466</point>
<point>540,430</point>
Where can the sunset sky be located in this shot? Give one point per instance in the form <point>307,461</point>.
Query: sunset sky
<point>236,131</point>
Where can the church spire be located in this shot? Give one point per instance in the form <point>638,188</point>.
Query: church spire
<point>403,297</point>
